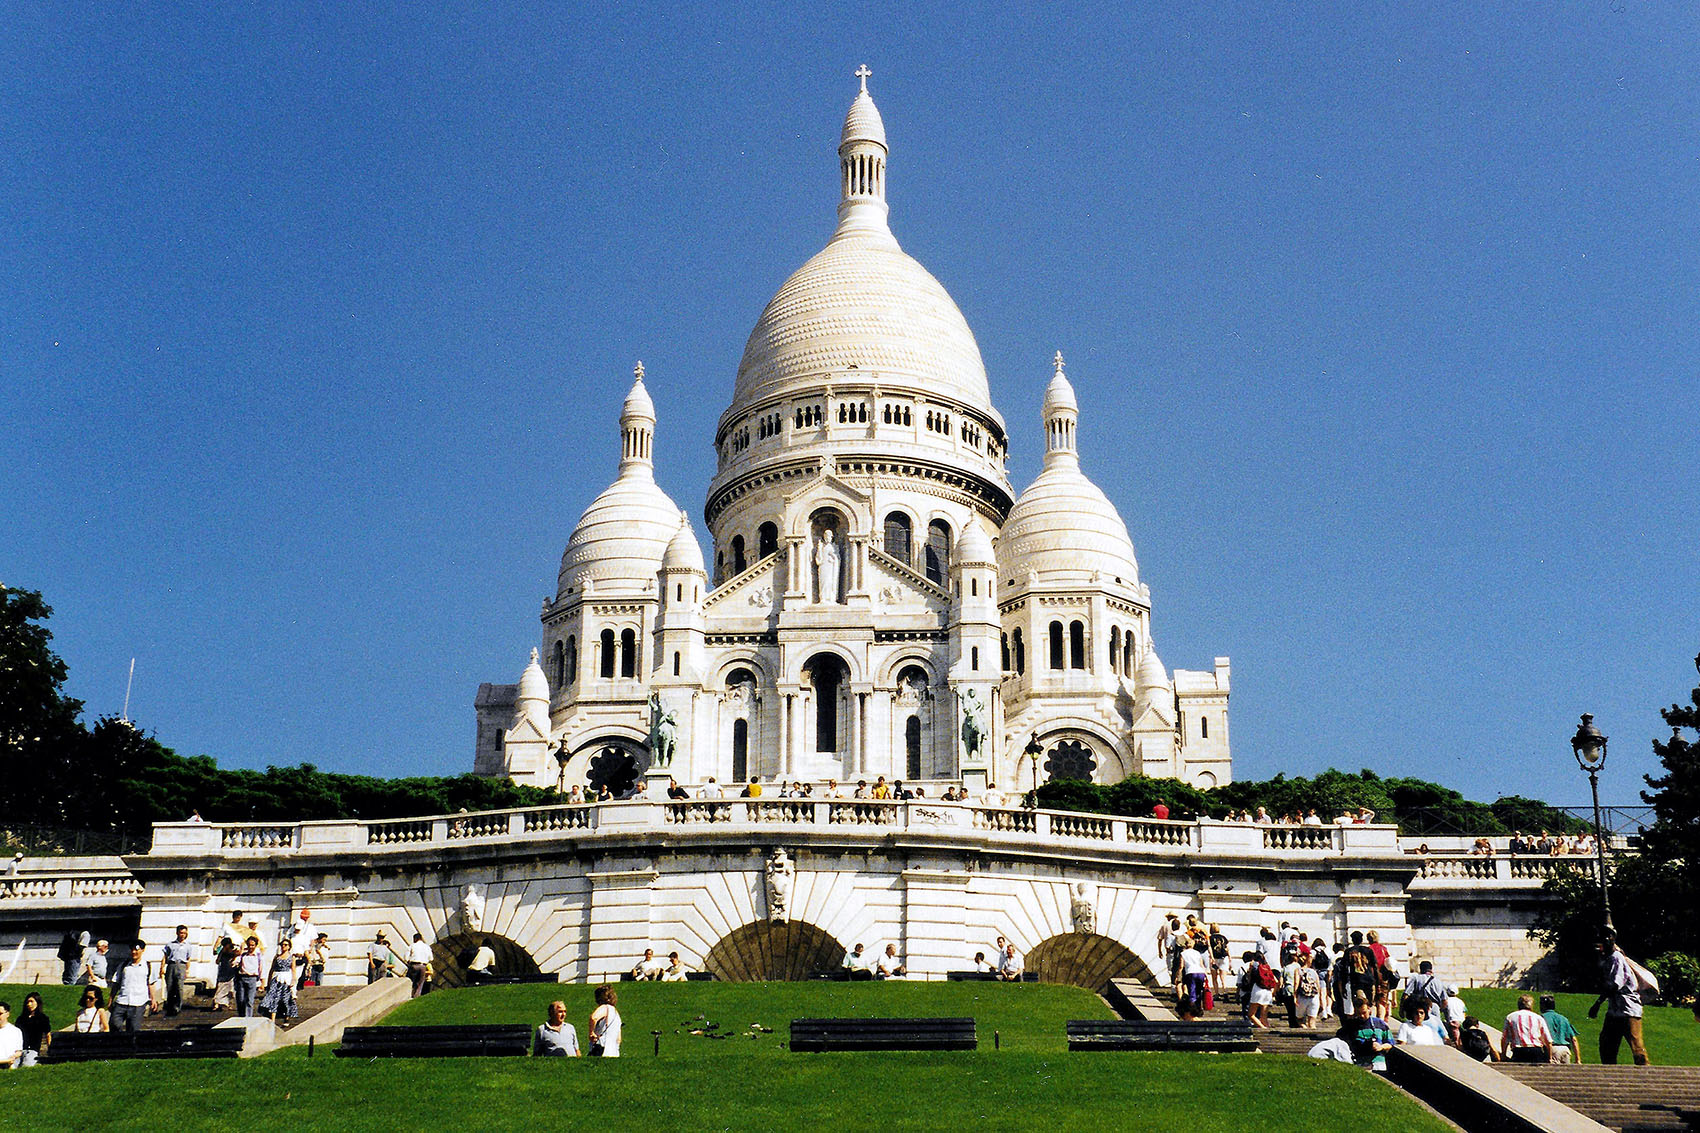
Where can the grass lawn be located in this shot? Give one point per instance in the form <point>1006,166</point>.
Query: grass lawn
<point>1671,1034</point>
<point>60,1002</point>
<point>737,1083</point>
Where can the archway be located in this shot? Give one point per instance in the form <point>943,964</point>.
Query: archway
<point>1086,960</point>
<point>774,950</point>
<point>451,954</point>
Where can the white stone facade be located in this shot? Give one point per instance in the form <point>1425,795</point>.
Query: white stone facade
<point>873,581</point>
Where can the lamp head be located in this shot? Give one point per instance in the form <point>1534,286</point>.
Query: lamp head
<point>1034,747</point>
<point>1589,745</point>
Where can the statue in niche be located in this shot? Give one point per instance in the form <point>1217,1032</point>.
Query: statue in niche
<point>472,910</point>
<point>663,732</point>
<point>973,724</point>
<point>779,874</point>
<point>828,568</point>
<point>1081,906</point>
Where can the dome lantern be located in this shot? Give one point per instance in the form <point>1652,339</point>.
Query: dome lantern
<point>861,165</point>
<point>637,428</point>
<point>1062,414</point>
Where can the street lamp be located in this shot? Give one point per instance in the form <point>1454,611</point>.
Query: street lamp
<point>1590,748</point>
<point>1034,750</point>
<point>562,756</point>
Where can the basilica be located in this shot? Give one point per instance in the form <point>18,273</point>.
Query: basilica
<point>875,600</point>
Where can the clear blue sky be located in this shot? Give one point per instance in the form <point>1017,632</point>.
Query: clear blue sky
<point>314,323</point>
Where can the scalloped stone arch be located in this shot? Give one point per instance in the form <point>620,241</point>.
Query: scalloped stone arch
<point>512,959</point>
<point>1103,741</point>
<point>1085,959</point>
<point>774,950</point>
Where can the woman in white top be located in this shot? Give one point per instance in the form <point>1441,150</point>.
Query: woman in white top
<point>92,1017</point>
<point>604,1029</point>
<point>1415,1031</point>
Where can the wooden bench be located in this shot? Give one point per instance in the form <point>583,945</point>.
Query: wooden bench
<point>883,1034</point>
<point>473,1041</point>
<point>990,977</point>
<point>1160,1034</point>
<point>179,1042</point>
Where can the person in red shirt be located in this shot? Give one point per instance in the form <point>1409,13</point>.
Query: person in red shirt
<point>1161,810</point>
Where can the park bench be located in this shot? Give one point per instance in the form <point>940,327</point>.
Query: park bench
<point>179,1042</point>
<point>990,977</point>
<point>1160,1034</point>
<point>472,1041</point>
<point>883,1034</point>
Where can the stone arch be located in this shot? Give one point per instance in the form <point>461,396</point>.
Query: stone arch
<point>801,659</point>
<point>774,950</point>
<point>852,510</point>
<point>449,952</point>
<point>888,672</point>
<point>1113,758</point>
<point>732,663</point>
<point>1085,959</point>
<point>591,763</point>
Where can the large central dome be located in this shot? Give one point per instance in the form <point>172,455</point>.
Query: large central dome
<point>861,304</point>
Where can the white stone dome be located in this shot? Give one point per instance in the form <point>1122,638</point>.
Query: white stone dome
<point>862,303</point>
<point>863,123</point>
<point>622,536</point>
<point>975,546</point>
<point>533,685</point>
<point>1063,524</point>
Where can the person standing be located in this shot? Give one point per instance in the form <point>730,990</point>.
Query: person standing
<point>318,955</point>
<point>176,969</point>
<point>1526,1038</point>
<point>1566,1045</point>
<point>379,958</point>
<point>279,1003</point>
<point>250,966</point>
<point>100,961</point>
<point>71,955</point>
<point>556,1038</point>
<point>1622,995</point>
<point>605,1025</point>
<point>418,960</point>
<point>130,991</point>
<point>36,1029</point>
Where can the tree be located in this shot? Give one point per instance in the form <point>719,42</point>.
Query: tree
<point>40,735</point>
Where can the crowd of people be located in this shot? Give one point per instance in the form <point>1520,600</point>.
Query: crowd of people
<point>1357,983</point>
<point>1349,816</point>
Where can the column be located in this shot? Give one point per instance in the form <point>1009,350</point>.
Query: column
<point>783,754</point>
<point>861,764</point>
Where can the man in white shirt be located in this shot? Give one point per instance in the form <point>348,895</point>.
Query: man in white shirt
<point>250,969</point>
<point>418,959</point>
<point>556,1037</point>
<point>1009,968</point>
<point>648,968</point>
<point>301,933</point>
<point>11,1040</point>
<point>130,995</point>
<point>483,963</point>
<point>675,970</point>
<point>858,963</point>
<point>711,790</point>
<point>379,958</point>
<point>888,966</point>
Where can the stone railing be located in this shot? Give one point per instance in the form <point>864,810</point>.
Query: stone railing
<point>829,817</point>
<point>1441,870</point>
<point>87,881</point>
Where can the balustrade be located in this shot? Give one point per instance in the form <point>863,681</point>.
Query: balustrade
<point>257,838</point>
<point>860,813</point>
<point>405,831</point>
<point>479,826</point>
<point>1156,833</point>
<point>1300,838</point>
<point>558,818</point>
<point>105,887</point>
<point>1082,826</point>
<point>1006,821</point>
<point>22,888</point>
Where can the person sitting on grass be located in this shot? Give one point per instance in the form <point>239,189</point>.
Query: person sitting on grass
<point>1526,1037</point>
<point>557,1038</point>
<point>648,968</point>
<point>983,965</point>
<point>888,966</point>
<point>1009,968</point>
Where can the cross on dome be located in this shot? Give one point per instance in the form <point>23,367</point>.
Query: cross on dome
<point>862,73</point>
<point>1059,362</point>
<point>637,370</point>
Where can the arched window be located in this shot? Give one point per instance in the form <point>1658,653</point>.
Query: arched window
<point>740,750</point>
<point>1127,653</point>
<point>974,659</point>
<point>938,550</point>
<point>1020,653</point>
<point>1004,642</point>
<point>675,663</point>
<point>898,536</point>
<point>572,658</point>
<point>828,674</point>
<point>767,540</point>
<point>1204,727</point>
<point>1076,645</point>
<point>628,653</point>
<point>560,664</point>
<point>912,748</point>
<point>719,567</point>
<point>737,554</point>
<point>1115,649</point>
<point>1056,645</point>
<point>607,659</point>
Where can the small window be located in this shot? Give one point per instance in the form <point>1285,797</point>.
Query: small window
<point>897,536</point>
<point>606,661</point>
<point>938,551</point>
<point>767,540</point>
<point>1115,649</point>
<point>628,653</point>
<point>974,658</point>
<point>1020,654</point>
<point>560,663</point>
<point>738,554</point>
<point>572,659</point>
<point>675,664</point>
<point>1004,646</point>
<point>1077,645</point>
<point>1056,645</point>
<point>1204,727</point>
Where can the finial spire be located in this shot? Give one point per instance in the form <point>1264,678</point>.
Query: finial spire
<point>1059,362</point>
<point>862,73</point>
<point>637,370</point>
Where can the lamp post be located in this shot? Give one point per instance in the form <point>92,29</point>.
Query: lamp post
<point>562,756</point>
<point>1590,748</point>
<point>1034,750</point>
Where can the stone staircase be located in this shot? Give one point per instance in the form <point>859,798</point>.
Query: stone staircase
<point>198,1009</point>
<point>1629,1099</point>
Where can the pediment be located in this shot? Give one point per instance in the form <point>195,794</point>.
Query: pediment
<point>1153,719</point>
<point>525,732</point>
<point>896,587</point>
<point>757,591</point>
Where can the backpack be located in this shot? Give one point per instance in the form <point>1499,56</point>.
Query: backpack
<point>1309,987</point>
<point>1266,978</point>
<point>1474,1042</point>
<point>1358,960</point>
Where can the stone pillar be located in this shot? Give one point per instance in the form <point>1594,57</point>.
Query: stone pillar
<point>784,752</point>
<point>933,902</point>
<point>619,922</point>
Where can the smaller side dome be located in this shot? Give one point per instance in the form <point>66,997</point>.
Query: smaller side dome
<point>533,685</point>
<point>1152,680</point>
<point>684,552</point>
<point>974,548</point>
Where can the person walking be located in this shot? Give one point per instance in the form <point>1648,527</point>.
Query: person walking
<point>1622,995</point>
<point>280,991</point>
<point>250,966</point>
<point>1526,1038</point>
<point>418,961</point>
<point>131,993</point>
<point>71,956</point>
<point>175,965</point>
<point>1566,1045</point>
<point>605,1024</point>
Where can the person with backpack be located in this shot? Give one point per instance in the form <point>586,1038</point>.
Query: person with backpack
<point>1263,983</point>
<point>1362,971</point>
<point>1622,995</point>
<point>1218,960</point>
<point>1307,996</point>
<point>1428,989</point>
